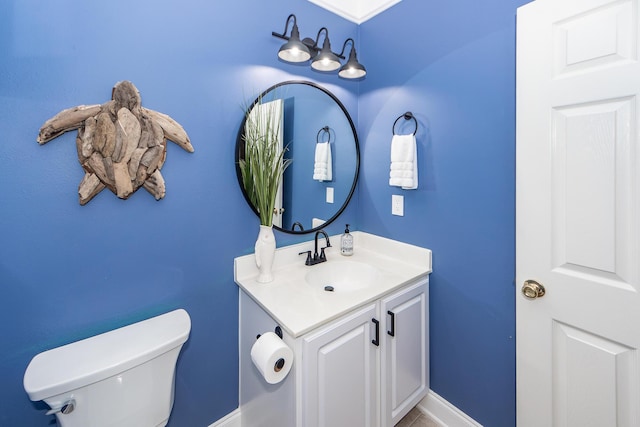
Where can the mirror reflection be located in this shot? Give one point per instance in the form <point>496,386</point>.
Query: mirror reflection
<point>321,141</point>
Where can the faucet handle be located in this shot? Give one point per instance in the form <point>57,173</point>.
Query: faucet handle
<point>308,260</point>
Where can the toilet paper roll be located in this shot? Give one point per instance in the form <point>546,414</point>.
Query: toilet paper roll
<point>272,357</point>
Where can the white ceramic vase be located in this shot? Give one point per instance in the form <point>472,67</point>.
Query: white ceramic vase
<point>265,252</point>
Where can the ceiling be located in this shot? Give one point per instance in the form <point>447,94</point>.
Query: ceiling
<point>356,11</point>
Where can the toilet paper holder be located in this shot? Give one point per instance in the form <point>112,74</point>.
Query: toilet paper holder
<point>278,332</point>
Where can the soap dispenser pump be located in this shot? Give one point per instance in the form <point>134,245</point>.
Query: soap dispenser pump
<point>346,243</point>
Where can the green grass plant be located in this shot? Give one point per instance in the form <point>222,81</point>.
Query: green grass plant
<point>263,164</point>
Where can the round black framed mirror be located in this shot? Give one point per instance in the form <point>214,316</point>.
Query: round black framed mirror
<point>314,121</point>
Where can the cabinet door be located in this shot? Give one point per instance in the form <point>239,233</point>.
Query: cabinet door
<point>405,356</point>
<point>341,366</point>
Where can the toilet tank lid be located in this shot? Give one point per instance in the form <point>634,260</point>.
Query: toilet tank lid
<point>85,362</point>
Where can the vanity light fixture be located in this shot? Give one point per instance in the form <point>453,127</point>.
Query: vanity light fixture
<point>352,69</point>
<point>325,60</point>
<point>322,59</point>
<point>293,50</point>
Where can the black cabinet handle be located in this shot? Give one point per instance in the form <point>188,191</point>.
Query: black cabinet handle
<point>376,341</point>
<point>392,332</point>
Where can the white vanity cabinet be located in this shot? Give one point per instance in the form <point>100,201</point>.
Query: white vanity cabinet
<point>370,367</point>
<point>361,355</point>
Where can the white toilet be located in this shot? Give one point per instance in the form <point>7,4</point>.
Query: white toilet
<point>122,378</point>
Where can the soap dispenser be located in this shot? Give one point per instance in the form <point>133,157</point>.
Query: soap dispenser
<point>346,243</point>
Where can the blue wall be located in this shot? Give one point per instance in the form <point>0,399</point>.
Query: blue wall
<point>453,65</point>
<point>70,271</point>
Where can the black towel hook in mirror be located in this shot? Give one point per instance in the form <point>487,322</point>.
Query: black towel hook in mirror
<point>407,116</point>
<point>326,130</point>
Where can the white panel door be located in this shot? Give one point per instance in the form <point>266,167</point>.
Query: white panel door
<point>340,372</point>
<point>578,214</point>
<point>405,353</point>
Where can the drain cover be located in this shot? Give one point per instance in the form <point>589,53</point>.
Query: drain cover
<point>328,288</point>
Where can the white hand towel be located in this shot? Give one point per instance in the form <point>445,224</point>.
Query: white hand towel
<point>322,168</point>
<point>404,162</point>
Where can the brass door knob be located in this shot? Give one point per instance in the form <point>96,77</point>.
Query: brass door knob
<point>532,289</point>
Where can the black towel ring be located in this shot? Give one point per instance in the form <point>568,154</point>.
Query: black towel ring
<point>326,130</point>
<point>407,116</point>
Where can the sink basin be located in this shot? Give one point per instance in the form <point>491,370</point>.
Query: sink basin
<point>341,276</point>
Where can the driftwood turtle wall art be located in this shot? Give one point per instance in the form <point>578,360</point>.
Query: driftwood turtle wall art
<point>121,145</point>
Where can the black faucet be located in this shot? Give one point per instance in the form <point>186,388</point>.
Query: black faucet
<point>317,258</point>
<point>321,257</point>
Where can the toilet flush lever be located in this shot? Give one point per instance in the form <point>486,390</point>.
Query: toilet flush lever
<point>67,408</point>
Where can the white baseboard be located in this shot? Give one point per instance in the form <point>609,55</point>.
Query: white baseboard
<point>230,420</point>
<point>437,408</point>
<point>444,413</point>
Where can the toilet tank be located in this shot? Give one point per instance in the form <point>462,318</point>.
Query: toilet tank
<point>122,378</point>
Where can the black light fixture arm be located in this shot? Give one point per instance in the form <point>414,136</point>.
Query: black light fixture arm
<point>344,46</point>
<point>283,36</point>
<point>326,36</point>
<point>314,46</point>
<point>341,56</point>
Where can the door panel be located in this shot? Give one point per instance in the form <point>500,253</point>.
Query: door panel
<point>405,356</point>
<point>590,372</point>
<point>337,361</point>
<point>592,189</point>
<point>578,213</point>
<point>341,370</point>
<point>603,35</point>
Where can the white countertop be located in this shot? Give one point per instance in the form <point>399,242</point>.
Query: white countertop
<point>299,308</point>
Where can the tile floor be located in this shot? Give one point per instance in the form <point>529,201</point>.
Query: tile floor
<point>415,418</point>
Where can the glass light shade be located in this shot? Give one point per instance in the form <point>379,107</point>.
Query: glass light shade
<point>294,50</point>
<point>294,53</point>
<point>352,69</point>
<point>326,60</point>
